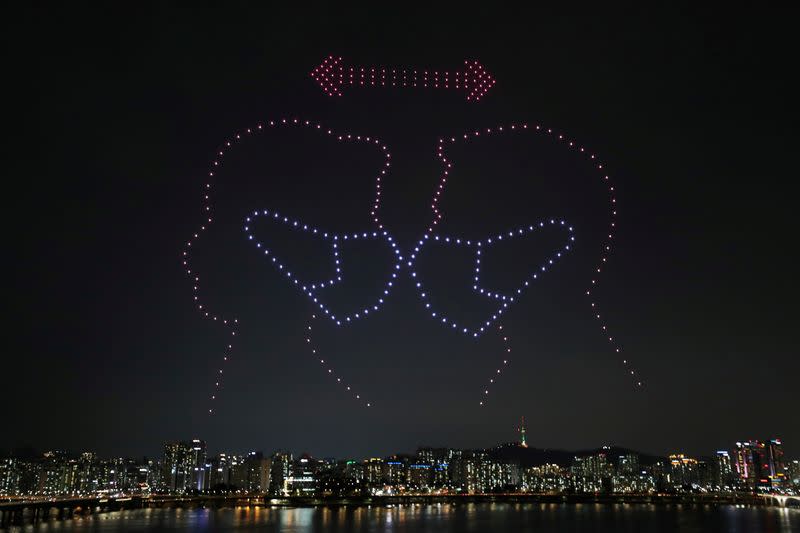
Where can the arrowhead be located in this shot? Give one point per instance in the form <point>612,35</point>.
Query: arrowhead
<point>479,81</point>
<point>329,75</point>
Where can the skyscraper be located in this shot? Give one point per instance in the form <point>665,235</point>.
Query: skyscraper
<point>743,463</point>
<point>184,466</point>
<point>594,466</point>
<point>683,470</point>
<point>777,472</point>
<point>258,473</point>
<point>759,465</point>
<point>373,471</point>
<point>628,464</point>
<point>197,461</point>
<point>219,475</point>
<point>9,476</point>
<point>280,470</point>
<point>724,469</point>
<point>302,480</point>
<point>793,472</point>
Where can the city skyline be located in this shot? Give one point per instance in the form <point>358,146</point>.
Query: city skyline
<point>187,467</point>
<point>521,439</point>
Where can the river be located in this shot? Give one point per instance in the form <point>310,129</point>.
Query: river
<point>444,517</point>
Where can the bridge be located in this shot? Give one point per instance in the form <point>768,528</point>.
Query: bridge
<point>781,500</point>
<point>32,511</point>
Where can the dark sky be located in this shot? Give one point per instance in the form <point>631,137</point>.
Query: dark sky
<point>121,112</point>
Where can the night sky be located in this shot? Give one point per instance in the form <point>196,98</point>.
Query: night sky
<point>121,112</point>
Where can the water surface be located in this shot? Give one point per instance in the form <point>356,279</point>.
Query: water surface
<point>445,517</point>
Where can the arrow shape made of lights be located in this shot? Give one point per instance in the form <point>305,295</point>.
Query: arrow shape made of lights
<point>334,76</point>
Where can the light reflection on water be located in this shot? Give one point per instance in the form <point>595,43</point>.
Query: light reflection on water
<point>440,517</point>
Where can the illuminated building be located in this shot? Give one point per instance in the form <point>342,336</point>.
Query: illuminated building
<point>258,473</point>
<point>753,466</point>
<point>113,476</point>
<point>280,470</point>
<point>724,469</point>
<point>373,470</point>
<point>474,472</point>
<point>683,470</point>
<point>777,472</point>
<point>439,461</point>
<point>464,472</point>
<point>184,466</point>
<point>147,477</point>
<point>354,471</point>
<point>756,463</point>
<point>339,478</point>
<point>237,472</point>
<point>793,473</point>
<point>761,465</point>
<point>544,478</point>
<point>705,473</point>
<point>395,470</point>
<point>174,476</point>
<point>219,471</point>
<point>743,462</point>
<point>197,460</point>
<point>9,476</point>
<point>500,476</point>
<point>593,473</point>
<point>593,466</point>
<point>629,476</point>
<point>302,479</point>
<point>419,476</point>
<point>467,471</point>
<point>628,464</point>
<point>523,440</point>
<point>86,478</point>
<point>28,473</point>
<point>55,476</point>
<point>440,475</point>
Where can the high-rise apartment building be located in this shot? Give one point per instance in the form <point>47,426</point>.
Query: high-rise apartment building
<point>184,466</point>
<point>724,469</point>
<point>280,471</point>
<point>777,470</point>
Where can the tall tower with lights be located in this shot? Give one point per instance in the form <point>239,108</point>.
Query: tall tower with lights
<point>523,439</point>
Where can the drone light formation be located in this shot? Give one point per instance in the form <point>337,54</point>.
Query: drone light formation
<point>330,370</point>
<point>598,169</point>
<point>336,241</point>
<point>480,247</point>
<point>310,290</point>
<point>333,75</point>
<point>506,360</point>
<point>231,323</point>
